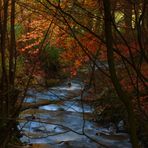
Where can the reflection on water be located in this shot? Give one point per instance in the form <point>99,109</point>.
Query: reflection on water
<point>61,124</point>
<point>67,106</point>
<point>74,86</point>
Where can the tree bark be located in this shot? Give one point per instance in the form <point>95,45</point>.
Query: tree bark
<point>8,94</point>
<point>110,57</point>
<point>128,20</point>
<point>4,17</point>
<point>12,49</point>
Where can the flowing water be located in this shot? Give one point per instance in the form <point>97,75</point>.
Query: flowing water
<point>66,123</point>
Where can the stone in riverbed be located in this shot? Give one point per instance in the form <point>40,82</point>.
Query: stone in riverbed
<point>108,136</point>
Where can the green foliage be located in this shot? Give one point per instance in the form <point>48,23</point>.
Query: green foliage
<point>51,82</point>
<point>50,61</point>
<point>18,30</point>
<point>56,1</point>
<point>119,17</point>
<point>21,76</point>
<point>20,65</point>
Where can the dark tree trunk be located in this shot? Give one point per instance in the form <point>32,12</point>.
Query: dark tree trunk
<point>110,56</point>
<point>12,49</point>
<point>4,17</point>
<point>8,93</point>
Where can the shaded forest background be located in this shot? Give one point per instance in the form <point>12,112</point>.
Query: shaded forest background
<point>43,42</point>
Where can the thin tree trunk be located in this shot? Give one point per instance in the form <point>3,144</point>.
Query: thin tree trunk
<point>4,16</point>
<point>8,96</point>
<point>12,45</point>
<point>3,82</point>
<point>128,20</point>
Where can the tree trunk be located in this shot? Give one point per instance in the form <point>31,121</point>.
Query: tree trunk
<point>128,20</point>
<point>8,94</point>
<point>12,49</point>
<point>4,17</point>
<point>110,56</point>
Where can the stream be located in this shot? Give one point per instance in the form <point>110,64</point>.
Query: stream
<point>66,122</point>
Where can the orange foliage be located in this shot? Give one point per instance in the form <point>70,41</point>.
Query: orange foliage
<point>125,50</point>
<point>30,42</point>
<point>144,103</point>
<point>73,55</point>
<point>132,87</point>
